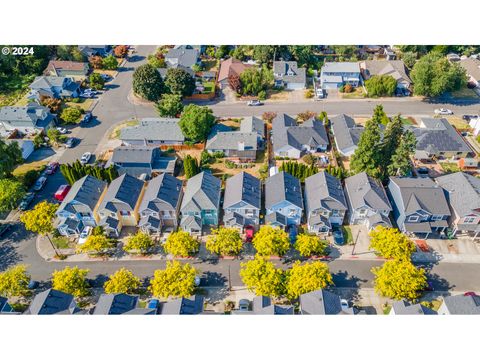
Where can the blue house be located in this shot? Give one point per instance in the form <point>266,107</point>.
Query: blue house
<point>283,200</point>
<point>335,74</point>
<point>201,203</point>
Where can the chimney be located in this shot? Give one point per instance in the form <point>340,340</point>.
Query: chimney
<point>241,146</point>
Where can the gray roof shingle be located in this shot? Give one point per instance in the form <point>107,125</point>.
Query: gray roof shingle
<point>163,188</point>
<point>403,307</point>
<point>462,305</point>
<point>51,302</point>
<point>363,190</point>
<point>183,56</point>
<point>463,192</point>
<point>202,192</point>
<point>232,140</point>
<point>122,194</point>
<point>119,304</point>
<point>252,124</point>
<point>283,187</point>
<point>154,129</point>
<point>321,302</point>
<point>346,132</point>
<point>137,160</point>
<point>323,190</point>
<point>242,187</point>
<point>289,72</point>
<point>32,115</point>
<point>86,191</point>
<point>262,305</point>
<point>183,306</point>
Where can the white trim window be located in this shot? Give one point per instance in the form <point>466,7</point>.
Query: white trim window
<point>469,219</point>
<point>413,218</point>
<point>437,217</point>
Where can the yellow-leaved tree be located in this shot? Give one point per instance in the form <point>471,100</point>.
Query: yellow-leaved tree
<point>271,241</point>
<point>71,281</point>
<point>176,280</point>
<point>96,245</point>
<point>262,277</point>
<point>399,279</point>
<point>122,281</point>
<point>301,279</point>
<point>311,244</point>
<point>224,241</point>
<point>181,243</point>
<point>14,281</point>
<point>390,243</point>
<point>139,243</point>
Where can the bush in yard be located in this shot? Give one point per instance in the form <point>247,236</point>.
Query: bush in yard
<point>110,63</point>
<point>348,88</point>
<point>71,280</point>
<point>71,115</point>
<point>399,279</point>
<point>96,81</point>
<point>190,166</point>
<point>304,116</point>
<point>96,62</point>
<point>14,281</point>
<point>179,82</point>
<point>381,85</point>
<point>262,95</point>
<point>311,244</point>
<point>181,243</point>
<point>225,241</point>
<point>54,105</point>
<point>390,243</point>
<point>308,94</point>
<point>10,157</point>
<point>301,279</point>
<point>196,122</point>
<point>147,82</point>
<point>170,105</point>
<point>96,245</point>
<point>268,116</point>
<point>30,177</point>
<point>176,280</point>
<point>55,137</point>
<point>122,281</point>
<point>11,192</point>
<point>262,277</point>
<point>271,241</point>
<point>120,51</point>
<point>254,80</point>
<point>140,242</point>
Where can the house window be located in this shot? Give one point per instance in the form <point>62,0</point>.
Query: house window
<point>292,213</point>
<point>413,218</point>
<point>469,219</point>
<point>125,213</point>
<point>436,217</point>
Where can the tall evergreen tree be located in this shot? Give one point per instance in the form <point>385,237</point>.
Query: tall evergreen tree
<point>400,162</point>
<point>392,137</point>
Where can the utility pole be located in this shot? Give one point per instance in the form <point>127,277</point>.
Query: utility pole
<point>355,243</point>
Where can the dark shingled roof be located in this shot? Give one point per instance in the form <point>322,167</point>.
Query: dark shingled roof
<point>122,194</point>
<point>183,306</point>
<point>51,302</point>
<point>262,305</point>
<point>119,304</point>
<point>163,188</point>
<point>403,307</point>
<point>86,190</point>
<point>321,302</point>
<point>242,187</point>
<point>323,190</point>
<point>462,305</point>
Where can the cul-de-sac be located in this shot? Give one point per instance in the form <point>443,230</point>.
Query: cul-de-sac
<point>240,179</point>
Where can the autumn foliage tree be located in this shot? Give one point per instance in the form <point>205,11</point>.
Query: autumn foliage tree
<point>139,243</point>
<point>122,281</point>
<point>225,241</point>
<point>176,280</point>
<point>181,243</point>
<point>71,280</point>
<point>96,62</point>
<point>301,279</point>
<point>120,51</point>
<point>262,277</point>
<point>399,279</point>
<point>14,281</point>
<point>390,243</point>
<point>311,244</point>
<point>96,245</point>
<point>271,241</point>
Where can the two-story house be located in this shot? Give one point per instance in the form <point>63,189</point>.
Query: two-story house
<point>367,201</point>
<point>138,160</point>
<point>325,203</point>
<point>119,205</point>
<point>346,133</point>
<point>54,87</point>
<point>393,68</point>
<point>419,205</point>
<point>287,74</point>
<point>335,74</point>
<point>283,200</point>
<point>292,141</point>
<point>463,194</point>
<point>201,203</point>
<point>120,304</point>
<point>242,201</point>
<point>77,209</point>
<point>160,206</point>
<point>53,302</point>
<point>29,119</point>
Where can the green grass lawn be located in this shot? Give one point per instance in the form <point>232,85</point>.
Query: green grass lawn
<point>209,64</point>
<point>83,104</point>
<point>449,167</point>
<point>408,121</point>
<point>386,309</point>
<point>61,242</point>
<point>465,93</point>
<point>209,87</point>
<point>35,165</point>
<point>14,88</point>
<point>347,234</point>
<point>358,93</point>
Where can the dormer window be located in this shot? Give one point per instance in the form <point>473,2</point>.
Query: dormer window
<point>413,218</point>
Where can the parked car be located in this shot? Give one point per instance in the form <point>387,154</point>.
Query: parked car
<point>344,304</point>
<point>4,229</point>
<point>85,158</point>
<point>244,305</point>
<point>470,293</point>
<point>32,285</point>
<point>338,238</point>
<point>153,304</point>
<point>84,234</point>
<point>320,93</point>
<point>86,95</point>
<point>52,168</point>
<point>249,231</point>
<point>443,111</point>
<point>62,192</point>
<point>70,143</point>
<point>26,201</point>
<point>87,118</point>
<point>422,171</point>
<point>254,103</point>
<point>106,77</point>
<point>40,183</point>
<point>464,133</point>
<point>62,130</point>
<point>469,117</point>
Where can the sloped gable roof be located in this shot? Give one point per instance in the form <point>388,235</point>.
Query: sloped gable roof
<point>202,192</point>
<point>283,187</point>
<point>242,187</point>
<point>363,190</point>
<point>323,190</point>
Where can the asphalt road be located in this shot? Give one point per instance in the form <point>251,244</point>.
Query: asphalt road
<point>18,246</point>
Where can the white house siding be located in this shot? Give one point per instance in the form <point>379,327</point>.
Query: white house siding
<point>295,86</point>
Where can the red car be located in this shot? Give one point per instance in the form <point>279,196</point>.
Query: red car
<point>62,192</point>
<point>52,168</point>
<point>249,231</point>
<point>470,293</point>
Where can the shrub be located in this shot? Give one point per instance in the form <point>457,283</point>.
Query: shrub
<point>262,95</point>
<point>348,88</point>
<point>309,94</point>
